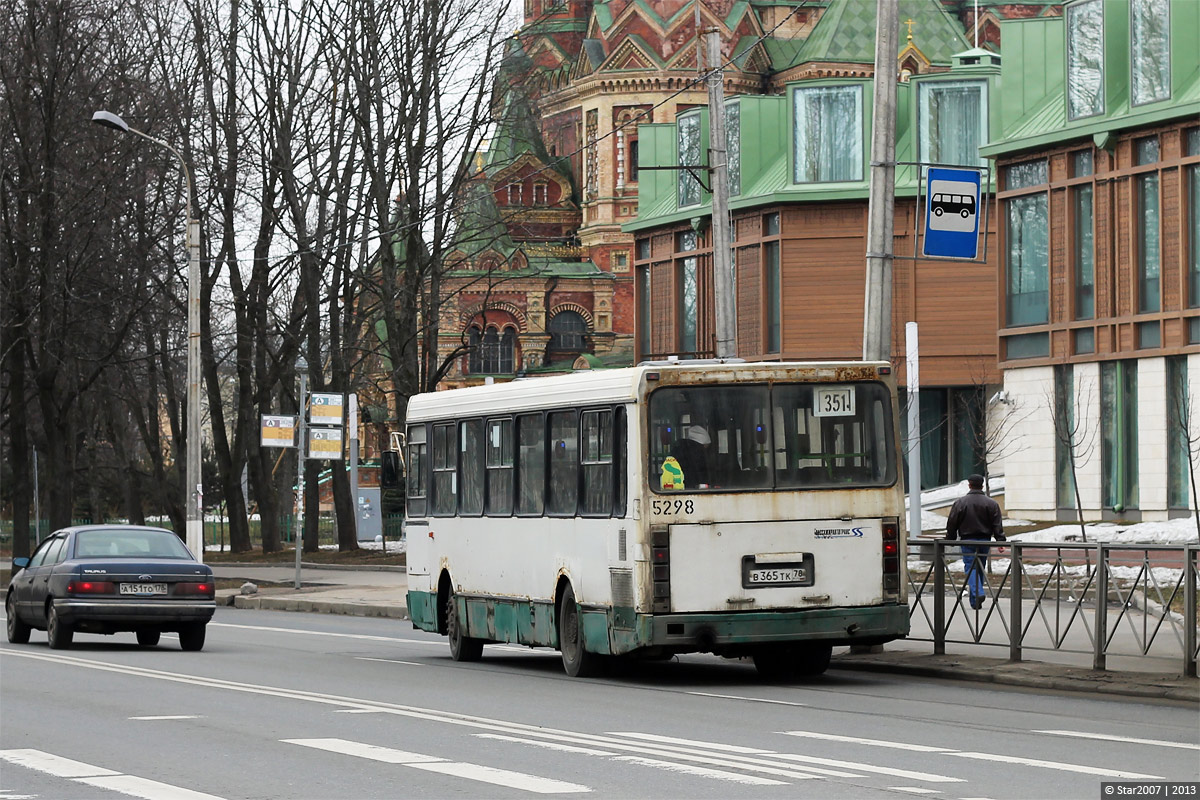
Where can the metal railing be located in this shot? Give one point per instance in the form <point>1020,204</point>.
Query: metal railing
<point>1073,597</point>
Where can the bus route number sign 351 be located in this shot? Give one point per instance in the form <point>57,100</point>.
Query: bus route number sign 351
<point>833,401</point>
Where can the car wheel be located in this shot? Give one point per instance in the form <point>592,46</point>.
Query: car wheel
<point>191,637</point>
<point>462,647</point>
<point>148,637</point>
<point>59,632</point>
<point>18,631</point>
<point>577,662</point>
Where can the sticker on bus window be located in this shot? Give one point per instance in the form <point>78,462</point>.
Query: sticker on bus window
<point>833,401</point>
<point>672,474</point>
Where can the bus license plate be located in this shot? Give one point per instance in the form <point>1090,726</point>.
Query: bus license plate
<point>792,575</point>
<point>143,588</point>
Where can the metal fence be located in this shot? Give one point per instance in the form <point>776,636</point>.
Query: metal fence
<point>1074,597</point>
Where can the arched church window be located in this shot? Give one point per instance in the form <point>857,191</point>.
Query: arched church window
<point>567,331</point>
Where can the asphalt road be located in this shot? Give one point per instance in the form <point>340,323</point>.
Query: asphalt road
<point>312,706</point>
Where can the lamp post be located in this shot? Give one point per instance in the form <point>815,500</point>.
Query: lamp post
<point>301,455</point>
<point>192,481</point>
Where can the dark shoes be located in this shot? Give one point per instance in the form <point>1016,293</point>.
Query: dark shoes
<point>976,603</point>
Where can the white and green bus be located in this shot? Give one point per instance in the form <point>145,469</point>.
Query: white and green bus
<point>743,509</point>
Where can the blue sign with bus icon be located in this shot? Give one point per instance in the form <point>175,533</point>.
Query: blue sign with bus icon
<point>952,214</point>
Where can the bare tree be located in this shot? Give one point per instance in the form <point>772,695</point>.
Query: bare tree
<point>1182,403</point>
<point>1074,434</point>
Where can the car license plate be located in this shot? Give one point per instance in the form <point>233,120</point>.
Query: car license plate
<point>789,575</point>
<point>143,588</point>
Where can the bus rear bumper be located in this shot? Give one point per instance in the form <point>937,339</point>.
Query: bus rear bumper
<point>733,632</point>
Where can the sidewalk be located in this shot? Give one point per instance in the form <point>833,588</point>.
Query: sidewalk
<point>381,592</point>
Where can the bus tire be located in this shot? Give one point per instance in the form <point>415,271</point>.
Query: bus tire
<point>462,647</point>
<point>788,662</point>
<point>577,662</point>
<point>813,659</point>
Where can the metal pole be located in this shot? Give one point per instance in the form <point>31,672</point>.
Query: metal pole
<point>1101,627</point>
<point>877,308</point>
<point>301,450</point>
<point>193,481</point>
<point>37,503</point>
<point>723,287</point>
<point>939,597</point>
<point>914,428</point>
<point>1016,588</point>
<point>1189,610</point>
<point>353,434</point>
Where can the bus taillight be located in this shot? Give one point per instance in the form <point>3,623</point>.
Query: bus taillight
<point>891,558</point>
<point>660,563</point>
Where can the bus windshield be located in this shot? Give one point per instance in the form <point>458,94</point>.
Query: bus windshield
<point>783,436</point>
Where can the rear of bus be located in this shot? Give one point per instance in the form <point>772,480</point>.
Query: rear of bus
<point>772,511</point>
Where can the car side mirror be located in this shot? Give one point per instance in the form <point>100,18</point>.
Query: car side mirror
<point>20,563</point>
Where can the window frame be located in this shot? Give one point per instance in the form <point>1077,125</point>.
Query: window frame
<point>519,461</point>
<point>927,87</point>
<point>1067,49</point>
<point>496,470</point>
<point>860,127</point>
<point>687,183</point>
<point>598,462</point>
<point>562,513</point>
<point>451,469</point>
<point>1133,101</point>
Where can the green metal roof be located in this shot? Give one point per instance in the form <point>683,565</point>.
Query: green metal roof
<point>846,33</point>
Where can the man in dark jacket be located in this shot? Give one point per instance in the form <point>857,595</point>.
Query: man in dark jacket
<point>976,518</point>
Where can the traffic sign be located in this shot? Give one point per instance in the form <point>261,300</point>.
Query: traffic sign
<point>952,206</point>
<point>278,431</point>
<point>325,443</point>
<point>326,409</point>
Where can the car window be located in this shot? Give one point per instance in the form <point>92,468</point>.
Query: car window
<point>39,555</point>
<point>129,543</point>
<point>56,551</point>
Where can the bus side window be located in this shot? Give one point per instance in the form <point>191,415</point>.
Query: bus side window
<point>417,480</point>
<point>620,460</point>
<point>597,461</point>
<point>445,471</point>
<point>562,499</point>
<point>470,466</point>
<point>531,465</point>
<point>499,448</point>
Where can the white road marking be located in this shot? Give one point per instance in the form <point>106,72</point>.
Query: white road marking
<point>920,748</point>
<point>1035,762</point>
<point>565,748</point>
<point>728,748</point>
<point>898,773</point>
<point>360,711</point>
<point>170,716</point>
<point>6,794</point>
<point>389,661</point>
<point>912,790</point>
<point>476,772</point>
<point>503,777</point>
<point>100,777</point>
<point>1111,738</point>
<point>748,699</point>
<point>54,765</point>
<point>346,747</point>
<point>145,788</point>
<point>702,772</point>
<point>335,634</point>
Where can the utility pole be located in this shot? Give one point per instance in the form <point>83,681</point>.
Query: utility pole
<point>301,457</point>
<point>723,287</point>
<point>877,308</point>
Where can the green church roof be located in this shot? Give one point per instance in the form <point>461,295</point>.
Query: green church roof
<point>846,33</point>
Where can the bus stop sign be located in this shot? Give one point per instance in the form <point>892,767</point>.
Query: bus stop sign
<point>952,214</point>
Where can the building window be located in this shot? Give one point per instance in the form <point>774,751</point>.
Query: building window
<point>1179,432</point>
<point>1149,41</point>
<point>1084,245</point>
<point>733,146</point>
<point>540,192</point>
<point>689,156</point>
<point>686,289</point>
<point>953,121</point>
<point>771,281</point>
<point>828,132</point>
<point>643,249</point>
<point>490,352</point>
<point>591,132</point>
<point>1149,250</point>
<point>1028,261</point>
<point>1193,202</point>
<point>771,224</point>
<point>1025,174</point>
<point>1065,440</point>
<point>567,331</point>
<point>514,194</point>
<point>643,311</point>
<point>633,160</point>
<point>1118,435</point>
<point>1085,60</point>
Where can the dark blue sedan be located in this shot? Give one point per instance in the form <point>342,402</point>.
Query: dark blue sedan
<point>107,579</point>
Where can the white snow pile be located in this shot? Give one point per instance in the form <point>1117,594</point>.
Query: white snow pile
<point>1174,531</point>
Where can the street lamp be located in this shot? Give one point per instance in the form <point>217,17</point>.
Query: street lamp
<point>192,481</point>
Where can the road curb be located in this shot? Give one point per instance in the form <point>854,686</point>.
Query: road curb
<point>342,607</point>
<point>307,565</point>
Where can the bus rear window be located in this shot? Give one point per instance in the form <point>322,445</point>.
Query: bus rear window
<point>788,436</point>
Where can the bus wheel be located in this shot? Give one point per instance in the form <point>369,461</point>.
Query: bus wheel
<point>813,659</point>
<point>462,648</point>
<point>775,663</point>
<point>577,662</point>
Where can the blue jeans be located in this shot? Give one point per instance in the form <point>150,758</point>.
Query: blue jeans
<point>975,558</point>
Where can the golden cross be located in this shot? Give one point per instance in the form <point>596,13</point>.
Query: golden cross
<point>909,22</point>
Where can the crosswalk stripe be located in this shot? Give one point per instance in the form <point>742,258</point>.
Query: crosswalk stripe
<point>1059,765</point>
<point>475,772</point>
<point>748,699</point>
<point>703,772</point>
<point>830,737</point>
<point>144,787</point>
<point>54,765</point>
<point>564,748</point>
<point>726,748</point>
<point>100,777</point>
<point>1108,737</point>
<point>502,777</point>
